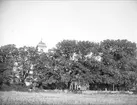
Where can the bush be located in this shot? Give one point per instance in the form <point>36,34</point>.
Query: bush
<point>134,91</point>
<point>14,87</point>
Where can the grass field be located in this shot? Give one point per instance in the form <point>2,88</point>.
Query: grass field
<point>46,98</point>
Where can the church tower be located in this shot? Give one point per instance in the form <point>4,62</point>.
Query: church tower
<point>41,46</point>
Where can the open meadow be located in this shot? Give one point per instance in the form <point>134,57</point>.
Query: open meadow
<point>46,98</point>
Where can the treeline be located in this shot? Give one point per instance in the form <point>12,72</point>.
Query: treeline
<point>110,64</point>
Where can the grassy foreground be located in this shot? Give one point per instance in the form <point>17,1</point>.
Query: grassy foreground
<point>45,98</point>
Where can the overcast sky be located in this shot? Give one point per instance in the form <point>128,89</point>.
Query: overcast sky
<point>26,22</point>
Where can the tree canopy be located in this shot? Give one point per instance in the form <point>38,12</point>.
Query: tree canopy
<point>110,62</point>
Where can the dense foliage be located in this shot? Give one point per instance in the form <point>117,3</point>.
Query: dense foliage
<point>110,64</point>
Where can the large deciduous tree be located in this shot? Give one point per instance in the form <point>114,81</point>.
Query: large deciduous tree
<point>119,58</point>
<point>25,62</point>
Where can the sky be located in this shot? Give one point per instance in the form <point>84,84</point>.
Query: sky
<point>25,23</point>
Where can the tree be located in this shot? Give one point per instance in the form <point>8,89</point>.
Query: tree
<point>70,57</point>
<point>7,58</point>
<point>25,62</point>
<point>118,56</point>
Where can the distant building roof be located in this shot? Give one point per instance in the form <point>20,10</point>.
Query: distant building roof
<point>41,44</point>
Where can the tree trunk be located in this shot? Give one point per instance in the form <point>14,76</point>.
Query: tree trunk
<point>113,87</point>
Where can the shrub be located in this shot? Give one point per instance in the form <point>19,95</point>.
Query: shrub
<point>13,87</point>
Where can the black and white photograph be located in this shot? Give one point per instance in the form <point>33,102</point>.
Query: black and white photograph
<point>68,52</point>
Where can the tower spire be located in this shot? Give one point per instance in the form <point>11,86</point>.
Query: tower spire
<point>41,39</point>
